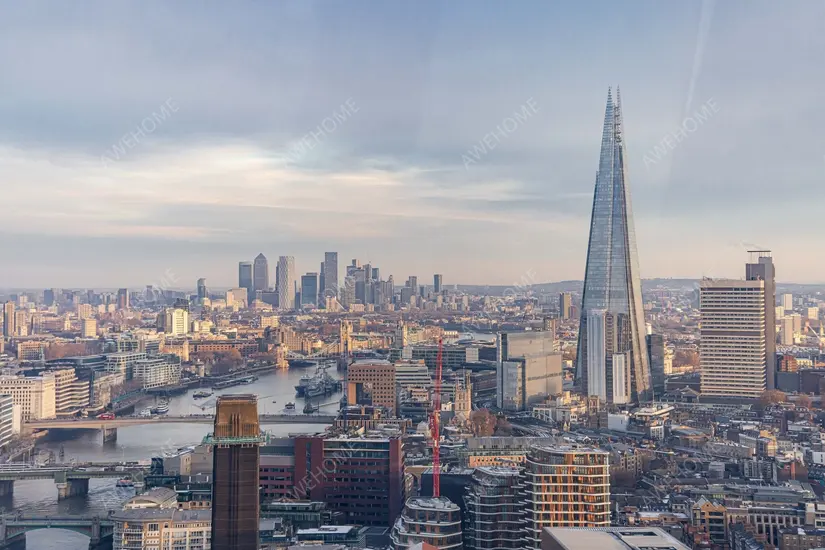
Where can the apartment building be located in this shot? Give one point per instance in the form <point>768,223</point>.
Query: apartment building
<point>565,486</point>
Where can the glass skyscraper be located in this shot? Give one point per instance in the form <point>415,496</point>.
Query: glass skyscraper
<point>612,287</point>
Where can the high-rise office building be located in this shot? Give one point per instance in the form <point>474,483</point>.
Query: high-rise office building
<point>286,282</point>
<point>732,347</point>
<point>372,382</point>
<point>236,461</point>
<point>123,298</point>
<point>412,283</point>
<point>611,278</point>
<point>245,280</point>
<point>656,359</point>
<point>565,303</point>
<point>309,290</point>
<point>565,486</point>
<point>608,345</point>
<point>48,297</point>
<point>330,275</point>
<point>787,302</point>
<point>438,279</point>
<point>8,319</point>
<point>260,276</point>
<point>761,268</point>
<point>202,293</point>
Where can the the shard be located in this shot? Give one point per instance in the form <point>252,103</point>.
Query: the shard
<point>612,292</point>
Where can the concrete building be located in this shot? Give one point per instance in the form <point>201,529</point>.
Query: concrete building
<point>35,395</point>
<point>372,382</point>
<point>88,328</point>
<point>787,302</point>
<point>155,528</point>
<point>528,369</point>
<point>609,538</point>
<point>412,374</point>
<point>732,350</point>
<point>174,322</point>
<point>124,362</point>
<point>433,521</point>
<point>786,334</point>
<point>565,486</point>
<point>260,274</point>
<point>155,372</point>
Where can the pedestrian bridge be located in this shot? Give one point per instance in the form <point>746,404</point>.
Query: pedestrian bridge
<point>13,529</point>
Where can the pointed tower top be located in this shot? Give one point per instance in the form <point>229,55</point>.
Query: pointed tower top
<point>609,95</point>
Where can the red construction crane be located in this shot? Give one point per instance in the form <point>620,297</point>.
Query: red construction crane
<point>434,428</point>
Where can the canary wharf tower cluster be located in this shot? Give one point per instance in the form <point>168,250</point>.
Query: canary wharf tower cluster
<point>612,363</point>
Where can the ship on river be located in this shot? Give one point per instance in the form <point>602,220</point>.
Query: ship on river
<point>317,385</point>
<point>234,382</point>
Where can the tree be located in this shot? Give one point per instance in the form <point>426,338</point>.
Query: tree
<point>483,423</point>
<point>803,401</point>
<point>772,397</point>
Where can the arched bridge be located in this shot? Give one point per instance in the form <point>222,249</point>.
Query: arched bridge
<point>13,530</point>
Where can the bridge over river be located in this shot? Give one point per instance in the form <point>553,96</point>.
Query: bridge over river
<point>13,529</point>
<point>70,480</point>
<point>109,427</point>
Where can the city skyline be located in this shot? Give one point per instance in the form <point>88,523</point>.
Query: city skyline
<point>390,164</point>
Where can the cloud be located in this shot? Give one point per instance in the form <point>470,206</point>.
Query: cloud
<point>215,183</point>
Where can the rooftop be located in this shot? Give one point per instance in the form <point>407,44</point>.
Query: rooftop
<point>612,538</point>
<point>440,503</point>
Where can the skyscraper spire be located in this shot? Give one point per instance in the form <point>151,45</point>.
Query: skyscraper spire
<point>612,349</point>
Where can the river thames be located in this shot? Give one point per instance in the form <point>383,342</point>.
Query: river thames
<point>39,497</point>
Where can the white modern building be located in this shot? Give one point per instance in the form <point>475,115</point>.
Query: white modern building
<point>35,395</point>
<point>158,371</point>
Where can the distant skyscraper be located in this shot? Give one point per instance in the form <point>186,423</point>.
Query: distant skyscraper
<point>763,270</point>
<point>611,278</point>
<point>437,283</point>
<point>48,297</point>
<point>8,319</point>
<point>236,461</point>
<point>787,302</point>
<point>260,277</point>
<point>565,302</point>
<point>123,298</point>
<point>286,282</point>
<point>202,293</point>
<point>245,280</point>
<point>309,289</point>
<point>732,348</point>
<point>330,274</point>
<point>412,283</point>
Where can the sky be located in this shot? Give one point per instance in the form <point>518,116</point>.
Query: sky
<point>228,96</point>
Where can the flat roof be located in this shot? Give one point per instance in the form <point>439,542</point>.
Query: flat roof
<point>612,538</point>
